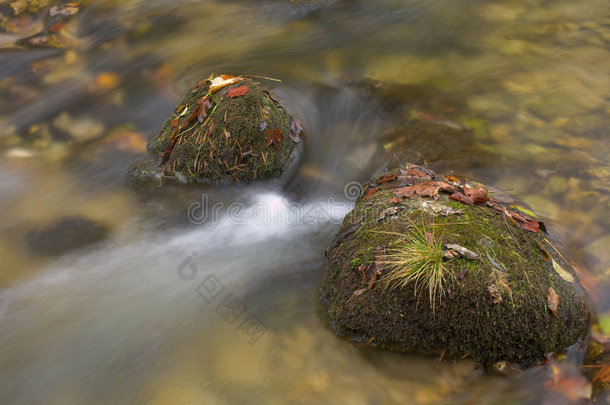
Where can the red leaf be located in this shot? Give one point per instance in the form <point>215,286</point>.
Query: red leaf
<point>237,91</point>
<point>175,122</point>
<point>552,301</point>
<point>273,137</point>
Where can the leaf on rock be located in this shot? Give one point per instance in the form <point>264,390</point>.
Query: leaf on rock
<point>563,273</point>
<point>385,179</point>
<point>205,105</point>
<point>479,195</point>
<point>222,81</point>
<point>237,91</point>
<point>463,198</point>
<point>425,189</point>
<point>395,200</point>
<point>552,301</point>
<point>389,212</point>
<point>369,193</point>
<point>295,130</point>
<point>419,171</point>
<point>459,251</point>
<point>273,137</point>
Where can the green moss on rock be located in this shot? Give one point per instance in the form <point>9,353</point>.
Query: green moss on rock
<point>232,143</point>
<point>468,320</point>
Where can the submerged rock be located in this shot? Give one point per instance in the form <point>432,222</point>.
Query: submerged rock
<point>435,265</point>
<point>229,129</point>
<point>65,235</point>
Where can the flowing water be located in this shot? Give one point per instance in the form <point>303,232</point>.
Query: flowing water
<point>218,306</point>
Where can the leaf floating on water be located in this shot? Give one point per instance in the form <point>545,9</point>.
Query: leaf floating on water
<point>552,301</point>
<point>562,272</point>
<point>222,81</point>
<point>459,251</point>
<point>295,130</point>
<point>273,137</point>
<point>237,91</point>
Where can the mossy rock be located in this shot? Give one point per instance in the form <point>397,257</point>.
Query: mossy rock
<point>494,308</point>
<point>238,133</point>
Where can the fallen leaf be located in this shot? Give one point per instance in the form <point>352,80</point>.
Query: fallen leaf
<point>222,81</point>
<point>273,137</point>
<point>295,130</point>
<point>562,272</point>
<point>57,26</point>
<point>395,200</point>
<point>19,6</point>
<point>369,193</point>
<point>430,238</point>
<point>479,195</point>
<point>425,189</point>
<point>64,10</point>
<point>443,210</point>
<point>419,171</point>
<point>385,179</point>
<point>237,91</point>
<point>205,105</point>
<point>175,122</point>
<point>552,301</point>
<point>461,251</point>
<point>389,212</point>
<point>463,198</point>
<point>496,296</point>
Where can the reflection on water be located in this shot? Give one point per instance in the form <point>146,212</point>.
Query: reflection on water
<point>116,322</point>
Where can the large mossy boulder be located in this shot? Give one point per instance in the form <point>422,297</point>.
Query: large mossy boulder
<point>436,265</point>
<point>226,129</point>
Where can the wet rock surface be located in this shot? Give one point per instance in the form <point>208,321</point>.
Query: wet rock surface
<point>229,129</point>
<point>502,291</point>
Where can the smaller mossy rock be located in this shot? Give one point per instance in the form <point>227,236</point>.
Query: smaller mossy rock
<point>236,133</point>
<point>64,235</point>
<point>508,297</point>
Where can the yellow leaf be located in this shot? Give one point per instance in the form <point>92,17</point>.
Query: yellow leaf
<point>562,272</point>
<point>223,80</point>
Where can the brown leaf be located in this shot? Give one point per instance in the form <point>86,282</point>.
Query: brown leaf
<point>552,301</point>
<point>425,189</point>
<point>419,171</point>
<point>175,122</point>
<point>462,198</point>
<point>479,195</point>
<point>385,179</point>
<point>370,192</point>
<point>237,91</point>
<point>460,251</point>
<point>295,130</point>
<point>395,200</point>
<point>273,137</point>
<point>389,212</point>
<point>205,105</point>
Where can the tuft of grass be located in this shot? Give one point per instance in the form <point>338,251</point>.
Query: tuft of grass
<point>417,260</point>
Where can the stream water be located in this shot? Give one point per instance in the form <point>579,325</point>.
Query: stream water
<point>192,300</point>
